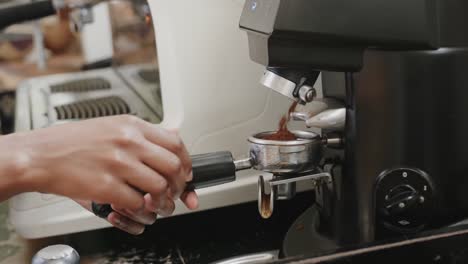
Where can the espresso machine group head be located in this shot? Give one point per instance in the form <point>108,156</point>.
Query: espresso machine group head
<point>399,67</point>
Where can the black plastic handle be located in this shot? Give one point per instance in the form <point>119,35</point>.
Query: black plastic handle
<point>208,170</point>
<point>212,169</point>
<point>13,14</point>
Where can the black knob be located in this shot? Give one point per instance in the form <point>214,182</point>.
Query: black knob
<point>401,200</point>
<point>404,200</point>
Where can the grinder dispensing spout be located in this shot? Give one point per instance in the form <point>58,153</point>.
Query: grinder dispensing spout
<point>297,85</point>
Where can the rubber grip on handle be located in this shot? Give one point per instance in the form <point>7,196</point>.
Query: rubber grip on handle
<point>208,170</point>
<point>212,169</point>
<point>25,12</point>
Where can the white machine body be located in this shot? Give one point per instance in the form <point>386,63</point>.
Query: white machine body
<point>210,92</point>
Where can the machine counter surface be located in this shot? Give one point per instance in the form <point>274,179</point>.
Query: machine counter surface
<point>202,237</point>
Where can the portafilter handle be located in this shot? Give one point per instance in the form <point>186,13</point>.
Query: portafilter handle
<point>208,170</point>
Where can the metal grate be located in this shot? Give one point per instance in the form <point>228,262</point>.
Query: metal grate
<point>80,86</point>
<point>106,106</point>
<point>150,76</point>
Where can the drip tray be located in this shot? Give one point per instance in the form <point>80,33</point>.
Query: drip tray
<point>63,98</point>
<point>81,86</point>
<point>92,108</point>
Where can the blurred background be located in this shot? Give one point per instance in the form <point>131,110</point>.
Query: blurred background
<point>58,44</point>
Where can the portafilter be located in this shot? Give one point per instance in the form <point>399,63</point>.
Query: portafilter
<point>272,156</point>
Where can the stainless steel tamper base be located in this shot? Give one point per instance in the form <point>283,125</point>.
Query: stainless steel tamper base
<point>57,254</point>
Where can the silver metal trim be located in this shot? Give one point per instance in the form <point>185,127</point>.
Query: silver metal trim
<point>304,137</point>
<point>329,119</point>
<point>300,116</point>
<point>243,164</point>
<point>56,254</point>
<point>307,93</point>
<point>258,258</point>
<point>314,177</point>
<point>286,191</point>
<point>334,142</point>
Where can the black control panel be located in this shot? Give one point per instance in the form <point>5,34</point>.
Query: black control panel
<point>404,199</point>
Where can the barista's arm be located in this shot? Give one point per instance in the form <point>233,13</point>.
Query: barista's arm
<point>104,160</point>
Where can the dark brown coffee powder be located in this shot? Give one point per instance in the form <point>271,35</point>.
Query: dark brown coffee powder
<point>283,134</point>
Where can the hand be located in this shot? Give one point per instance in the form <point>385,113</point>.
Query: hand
<point>135,222</point>
<point>105,160</point>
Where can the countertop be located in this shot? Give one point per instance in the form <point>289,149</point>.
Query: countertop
<point>217,234</point>
<point>195,238</point>
<point>222,233</point>
<point>201,237</point>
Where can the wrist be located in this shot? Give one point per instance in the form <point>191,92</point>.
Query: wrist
<point>17,173</point>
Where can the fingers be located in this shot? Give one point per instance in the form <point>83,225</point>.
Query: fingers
<point>122,196</point>
<point>185,158</point>
<point>169,140</point>
<point>190,199</point>
<point>163,207</point>
<point>125,224</point>
<point>129,221</point>
<point>142,216</point>
<point>168,164</point>
<point>145,179</point>
<point>167,207</point>
<point>152,204</point>
<point>164,153</point>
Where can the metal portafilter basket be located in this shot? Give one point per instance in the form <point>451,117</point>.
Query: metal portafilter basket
<point>289,161</point>
<point>290,157</point>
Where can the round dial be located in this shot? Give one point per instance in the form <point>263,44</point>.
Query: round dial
<point>404,199</point>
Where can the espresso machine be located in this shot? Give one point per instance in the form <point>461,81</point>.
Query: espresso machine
<point>175,90</point>
<point>399,68</point>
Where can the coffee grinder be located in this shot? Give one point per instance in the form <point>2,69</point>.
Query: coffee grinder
<point>400,68</point>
